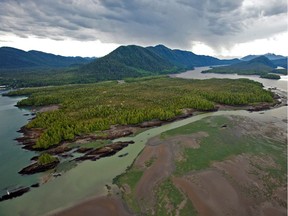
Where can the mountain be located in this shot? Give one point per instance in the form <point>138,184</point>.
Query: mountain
<point>186,59</point>
<point>36,68</point>
<point>128,61</point>
<point>258,66</point>
<point>280,62</point>
<point>11,58</point>
<point>270,56</point>
<point>137,61</point>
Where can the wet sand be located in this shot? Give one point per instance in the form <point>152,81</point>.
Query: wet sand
<point>104,206</point>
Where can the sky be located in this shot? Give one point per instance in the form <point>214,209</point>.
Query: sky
<point>221,28</point>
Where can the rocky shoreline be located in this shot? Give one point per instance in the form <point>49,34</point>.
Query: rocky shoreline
<point>36,168</point>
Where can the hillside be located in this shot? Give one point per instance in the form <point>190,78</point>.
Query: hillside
<point>11,58</point>
<point>257,66</point>
<point>128,61</point>
<point>186,59</point>
<point>280,62</point>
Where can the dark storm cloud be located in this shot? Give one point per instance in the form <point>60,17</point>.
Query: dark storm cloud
<point>176,23</point>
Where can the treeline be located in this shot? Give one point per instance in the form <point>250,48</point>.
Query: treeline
<point>271,76</point>
<point>95,107</point>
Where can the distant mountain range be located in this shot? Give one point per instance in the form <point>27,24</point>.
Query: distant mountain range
<point>123,62</point>
<point>257,66</point>
<point>11,58</point>
<point>270,56</point>
<point>277,60</point>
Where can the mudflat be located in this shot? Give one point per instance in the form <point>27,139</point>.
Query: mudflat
<point>104,206</point>
<point>217,166</point>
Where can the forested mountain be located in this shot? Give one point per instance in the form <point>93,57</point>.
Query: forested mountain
<point>21,69</point>
<point>270,56</point>
<point>280,62</point>
<point>186,59</point>
<point>135,61</point>
<point>128,61</point>
<point>11,58</point>
<point>257,66</point>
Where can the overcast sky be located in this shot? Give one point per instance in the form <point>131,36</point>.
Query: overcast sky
<point>96,27</point>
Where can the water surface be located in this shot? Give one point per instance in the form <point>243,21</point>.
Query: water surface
<point>12,157</point>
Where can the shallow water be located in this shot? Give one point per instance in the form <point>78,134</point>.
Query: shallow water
<point>88,179</point>
<point>12,157</point>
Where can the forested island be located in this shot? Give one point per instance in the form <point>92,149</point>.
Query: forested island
<point>93,108</point>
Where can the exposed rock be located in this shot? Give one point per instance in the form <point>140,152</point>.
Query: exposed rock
<point>123,155</point>
<point>105,151</point>
<point>14,193</point>
<point>83,150</point>
<point>35,185</point>
<point>260,107</point>
<point>36,167</point>
<point>152,123</point>
<point>59,150</point>
<point>35,158</point>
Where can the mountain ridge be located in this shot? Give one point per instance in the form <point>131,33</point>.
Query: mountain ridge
<point>187,59</point>
<point>13,58</point>
<point>270,56</point>
<point>257,66</point>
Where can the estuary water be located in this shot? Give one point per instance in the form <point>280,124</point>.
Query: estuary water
<point>12,157</point>
<point>196,74</point>
<point>89,179</point>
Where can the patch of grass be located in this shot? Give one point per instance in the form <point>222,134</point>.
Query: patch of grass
<point>150,162</point>
<point>94,144</point>
<point>168,195</point>
<point>221,144</point>
<point>46,158</point>
<point>131,177</point>
<point>188,209</point>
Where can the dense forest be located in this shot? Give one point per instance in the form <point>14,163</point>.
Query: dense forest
<point>95,107</point>
<point>270,76</point>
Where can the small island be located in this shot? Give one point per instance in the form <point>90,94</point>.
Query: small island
<point>270,76</point>
<point>44,162</point>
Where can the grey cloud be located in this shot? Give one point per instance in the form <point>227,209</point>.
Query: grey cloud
<point>176,23</point>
